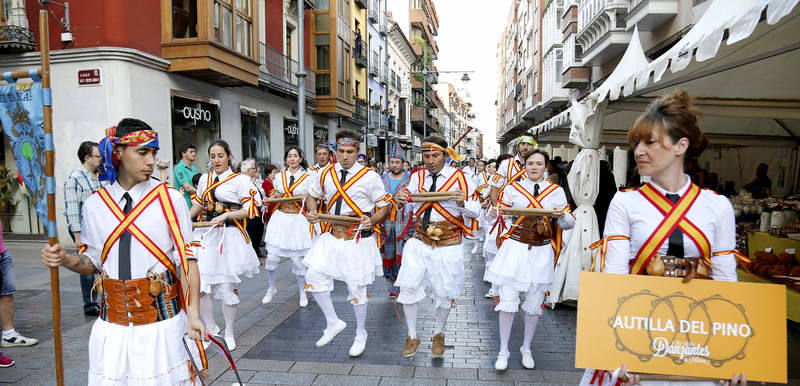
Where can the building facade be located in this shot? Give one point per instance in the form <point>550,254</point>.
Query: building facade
<point>400,58</point>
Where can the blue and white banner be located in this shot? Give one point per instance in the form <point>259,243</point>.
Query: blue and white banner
<point>21,116</point>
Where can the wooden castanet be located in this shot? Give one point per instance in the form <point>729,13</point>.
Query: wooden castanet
<point>339,220</point>
<point>526,211</point>
<point>277,200</point>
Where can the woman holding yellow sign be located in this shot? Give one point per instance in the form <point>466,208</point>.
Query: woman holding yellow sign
<point>669,227</point>
<point>524,262</point>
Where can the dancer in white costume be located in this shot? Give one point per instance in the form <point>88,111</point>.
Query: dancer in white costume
<point>481,194</point>
<point>434,257</point>
<point>288,232</point>
<point>223,249</point>
<point>524,262</point>
<point>663,138</point>
<point>497,182</point>
<point>138,337</point>
<point>346,253</point>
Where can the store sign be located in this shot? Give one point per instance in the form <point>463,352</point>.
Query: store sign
<point>704,328</point>
<point>192,113</point>
<point>320,134</point>
<point>291,133</point>
<point>89,77</point>
<point>372,140</point>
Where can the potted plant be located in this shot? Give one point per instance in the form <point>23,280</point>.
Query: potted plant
<point>8,190</point>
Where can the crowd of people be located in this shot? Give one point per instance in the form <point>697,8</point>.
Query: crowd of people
<point>160,253</point>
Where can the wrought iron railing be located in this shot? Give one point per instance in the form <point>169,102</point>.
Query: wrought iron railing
<point>374,118</point>
<point>375,65</point>
<point>17,39</point>
<point>385,74</point>
<point>374,10</point>
<point>360,112</point>
<point>384,24</point>
<point>359,53</point>
<point>278,70</point>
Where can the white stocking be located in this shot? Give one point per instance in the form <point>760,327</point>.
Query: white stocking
<point>301,284</point>
<point>229,313</point>
<point>271,278</point>
<point>206,309</point>
<point>361,319</point>
<point>326,304</point>
<point>441,319</point>
<point>410,312</point>
<point>530,328</point>
<point>506,320</point>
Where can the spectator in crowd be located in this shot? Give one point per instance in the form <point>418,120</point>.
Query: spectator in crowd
<point>470,169</point>
<point>80,183</point>
<point>760,187</point>
<point>184,171</point>
<point>11,338</point>
<point>268,187</point>
<point>362,159</point>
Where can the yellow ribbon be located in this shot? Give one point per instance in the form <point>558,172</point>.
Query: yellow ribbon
<point>430,146</point>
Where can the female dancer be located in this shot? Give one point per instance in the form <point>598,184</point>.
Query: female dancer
<point>524,262</point>
<point>288,232</point>
<point>223,249</point>
<point>664,138</point>
<point>490,242</point>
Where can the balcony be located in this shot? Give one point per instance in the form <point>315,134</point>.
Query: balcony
<point>361,4</point>
<point>384,126</point>
<point>15,39</point>
<point>359,56</point>
<point>375,65</point>
<point>602,32</point>
<point>385,74</point>
<point>360,112</point>
<point>384,25</point>
<point>277,71</point>
<point>393,82</point>
<point>416,120</point>
<point>374,118</point>
<point>649,14</point>
<point>374,11</point>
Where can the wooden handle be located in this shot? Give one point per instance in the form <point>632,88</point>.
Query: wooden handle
<point>201,224</point>
<point>277,200</point>
<point>340,220</point>
<point>527,211</point>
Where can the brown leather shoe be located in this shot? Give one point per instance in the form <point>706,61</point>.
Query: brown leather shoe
<point>411,347</point>
<point>437,348</point>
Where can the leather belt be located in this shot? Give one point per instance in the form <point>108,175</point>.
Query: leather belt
<point>438,234</point>
<point>140,301</point>
<point>348,232</point>
<point>534,231</point>
<point>670,266</point>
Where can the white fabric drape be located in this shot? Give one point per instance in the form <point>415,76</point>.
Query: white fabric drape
<point>583,179</point>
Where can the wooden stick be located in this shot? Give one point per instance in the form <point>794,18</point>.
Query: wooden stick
<point>431,194</point>
<point>276,200</point>
<point>667,377</point>
<point>526,211</point>
<point>25,74</point>
<point>432,199</point>
<point>201,224</point>
<point>339,220</point>
<point>49,156</point>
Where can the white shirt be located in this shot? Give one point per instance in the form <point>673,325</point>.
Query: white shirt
<point>366,193</point>
<point>232,191</point>
<point>504,172</point>
<point>302,188</point>
<point>480,179</point>
<point>471,208</point>
<point>99,222</point>
<point>631,215</point>
<point>555,199</point>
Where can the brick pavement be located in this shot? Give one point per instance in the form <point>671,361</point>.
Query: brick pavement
<point>470,337</point>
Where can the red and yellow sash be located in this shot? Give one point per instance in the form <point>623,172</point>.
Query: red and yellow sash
<point>161,194</point>
<point>533,202</point>
<point>289,190</point>
<point>603,245</point>
<point>479,189</point>
<point>514,170</point>
<point>674,217</point>
<point>459,178</point>
<point>341,192</point>
<point>210,185</point>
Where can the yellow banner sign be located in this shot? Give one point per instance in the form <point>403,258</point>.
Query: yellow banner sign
<point>703,328</point>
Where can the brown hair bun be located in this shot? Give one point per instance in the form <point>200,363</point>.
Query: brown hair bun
<point>675,116</point>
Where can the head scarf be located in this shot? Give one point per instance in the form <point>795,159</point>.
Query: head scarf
<point>362,157</point>
<point>110,163</point>
<point>430,146</point>
<point>528,139</point>
<point>347,142</point>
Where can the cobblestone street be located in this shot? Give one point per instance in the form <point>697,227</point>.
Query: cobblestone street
<point>276,341</point>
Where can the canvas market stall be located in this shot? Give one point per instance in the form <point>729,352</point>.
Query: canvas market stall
<point>749,112</point>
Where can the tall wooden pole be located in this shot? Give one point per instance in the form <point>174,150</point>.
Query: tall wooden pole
<point>50,188</point>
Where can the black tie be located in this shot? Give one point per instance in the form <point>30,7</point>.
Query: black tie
<point>125,244</point>
<point>426,217</point>
<point>675,247</point>
<point>338,207</point>
<point>519,166</point>
<point>291,182</point>
<point>536,190</point>
<point>214,190</point>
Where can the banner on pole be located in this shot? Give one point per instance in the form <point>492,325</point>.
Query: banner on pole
<point>704,328</point>
<point>21,117</point>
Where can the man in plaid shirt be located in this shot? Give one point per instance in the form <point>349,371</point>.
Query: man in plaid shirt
<point>78,186</point>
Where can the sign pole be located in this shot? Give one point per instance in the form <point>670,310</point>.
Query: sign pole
<point>47,114</point>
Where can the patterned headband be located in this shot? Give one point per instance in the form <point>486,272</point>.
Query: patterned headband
<point>347,142</point>
<point>110,162</point>
<point>430,146</point>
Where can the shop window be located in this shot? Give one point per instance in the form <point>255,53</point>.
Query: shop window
<point>195,122</point>
<point>291,135</point>
<point>255,135</point>
<point>184,19</point>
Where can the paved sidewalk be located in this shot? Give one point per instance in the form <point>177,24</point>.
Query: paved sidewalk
<point>276,341</point>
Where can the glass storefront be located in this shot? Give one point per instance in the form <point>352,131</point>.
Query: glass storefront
<point>195,122</point>
<point>255,135</point>
<point>291,136</point>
